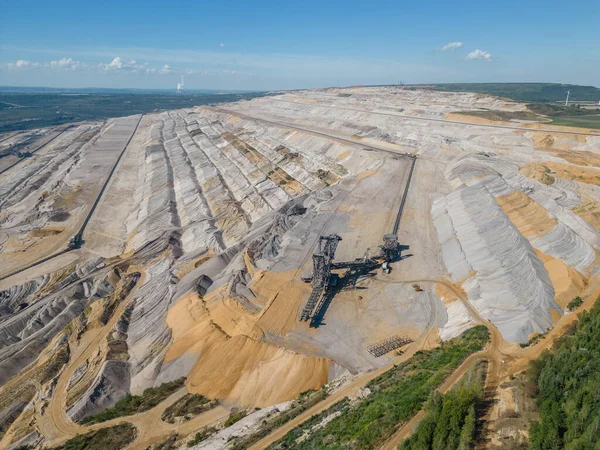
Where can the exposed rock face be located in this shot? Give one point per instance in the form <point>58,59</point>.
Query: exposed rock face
<point>148,335</point>
<point>15,298</point>
<point>27,331</point>
<point>110,386</point>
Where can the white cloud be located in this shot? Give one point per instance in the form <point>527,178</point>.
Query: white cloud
<point>269,71</point>
<point>63,63</point>
<point>22,64</point>
<point>479,54</point>
<point>66,63</point>
<point>451,46</point>
<point>115,64</point>
<point>221,44</point>
<point>166,69</point>
<point>120,65</point>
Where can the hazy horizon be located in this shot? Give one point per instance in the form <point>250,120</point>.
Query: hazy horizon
<point>270,46</point>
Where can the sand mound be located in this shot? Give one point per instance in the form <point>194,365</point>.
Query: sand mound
<point>253,373</point>
<point>287,296</point>
<point>529,217</point>
<point>469,119</point>
<point>238,369</point>
<point>44,232</point>
<point>567,282</point>
<point>559,143</point>
<point>589,211</point>
<point>581,174</point>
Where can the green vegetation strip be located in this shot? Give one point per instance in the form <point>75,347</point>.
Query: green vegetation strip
<point>450,420</point>
<point>502,116</point>
<point>113,438</point>
<point>587,121</point>
<point>305,400</point>
<point>202,436</point>
<point>575,303</point>
<point>568,383</point>
<point>234,417</point>
<point>525,92</point>
<point>395,397</point>
<point>571,116</point>
<point>134,404</point>
<point>188,406</point>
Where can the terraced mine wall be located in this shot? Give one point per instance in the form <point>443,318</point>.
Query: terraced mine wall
<point>77,239</point>
<point>500,224</point>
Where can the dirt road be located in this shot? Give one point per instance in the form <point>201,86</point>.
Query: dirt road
<point>503,359</point>
<point>425,341</point>
<point>56,425</point>
<point>493,354</point>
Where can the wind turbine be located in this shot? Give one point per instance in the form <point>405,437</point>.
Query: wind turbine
<point>567,100</point>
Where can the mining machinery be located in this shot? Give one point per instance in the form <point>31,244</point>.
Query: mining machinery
<point>321,275</point>
<point>324,283</point>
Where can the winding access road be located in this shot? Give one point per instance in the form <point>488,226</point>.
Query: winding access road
<point>54,423</point>
<point>493,354</point>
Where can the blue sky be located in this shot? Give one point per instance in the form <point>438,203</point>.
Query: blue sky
<point>296,44</point>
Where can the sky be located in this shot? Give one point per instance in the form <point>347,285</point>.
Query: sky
<point>268,45</point>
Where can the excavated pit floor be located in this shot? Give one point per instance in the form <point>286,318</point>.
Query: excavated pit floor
<point>504,213</point>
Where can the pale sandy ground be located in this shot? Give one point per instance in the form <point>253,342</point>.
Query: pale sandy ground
<point>82,181</point>
<point>106,234</point>
<point>32,140</point>
<point>198,181</point>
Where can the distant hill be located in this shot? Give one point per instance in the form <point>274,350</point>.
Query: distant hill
<point>524,92</point>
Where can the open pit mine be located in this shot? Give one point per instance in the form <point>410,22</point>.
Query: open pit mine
<point>252,251</point>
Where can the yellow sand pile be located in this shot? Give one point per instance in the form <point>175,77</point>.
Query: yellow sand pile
<point>589,211</point>
<point>566,171</point>
<point>238,368</point>
<point>562,128</point>
<point>568,283</point>
<point>530,218</point>
<point>469,119</point>
<point>445,293</point>
<point>285,295</point>
<point>557,142</point>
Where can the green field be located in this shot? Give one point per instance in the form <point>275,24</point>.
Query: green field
<point>542,101</point>
<point>585,121</point>
<point>525,92</point>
